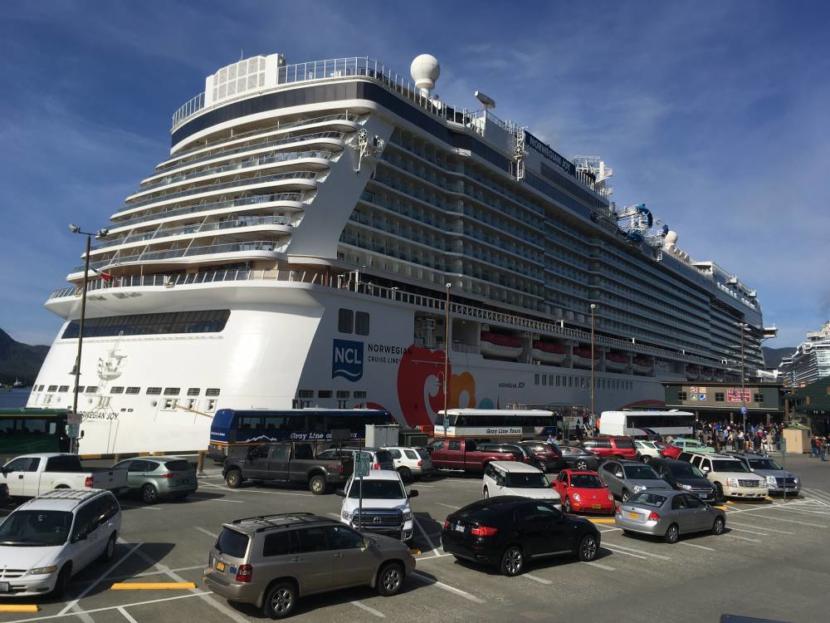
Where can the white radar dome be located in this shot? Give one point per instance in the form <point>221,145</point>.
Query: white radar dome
<point>425,71</point>
<point>671,237</point>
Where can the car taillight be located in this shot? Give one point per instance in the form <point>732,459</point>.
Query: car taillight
<point>420,463</point>
<point>88,482</point>
<point>484,531</point>
<point>375,465</point>
<point>652,516</point>
<point>168,475</point>
<point>446,524</point>
<point>245,573</point>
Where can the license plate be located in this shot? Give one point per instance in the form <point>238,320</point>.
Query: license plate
<point>458,527</point>
<point>4,587</point>
<point>220,566</point>
<point>633,515</point>
<point>596,506</point>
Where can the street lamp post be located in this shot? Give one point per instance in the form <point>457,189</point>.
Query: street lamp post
<point>448,286</point>
<point>743,377</point>
<point>593,365</point>
<point>75,229</point>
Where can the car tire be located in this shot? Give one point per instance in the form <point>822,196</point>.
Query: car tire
<point>280,600</point>
<point>566,505</point>
<point>581,465</point>
<point>233,478</point>
<point>62,582</point>
<point>512,561</point>
<point>486,493</point>
<point>149,494</point>
<point>317,484</point>
<point>718,526</point>
<point>719,497</point>
<point>625,495</point>
<point>390,579</point>
<point>672,534</point>
<point>109,550</point>
<point>588,548</point>
<point>406,474</point>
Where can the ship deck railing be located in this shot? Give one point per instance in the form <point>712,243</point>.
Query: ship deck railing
<point>555,329</point>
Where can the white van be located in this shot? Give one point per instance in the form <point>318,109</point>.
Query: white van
<point>514,478</point>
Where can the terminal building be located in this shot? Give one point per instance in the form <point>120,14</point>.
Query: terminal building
<point>723,402</point>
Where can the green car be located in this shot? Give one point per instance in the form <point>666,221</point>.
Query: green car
<point>157,477</point>
<point>692,445</point>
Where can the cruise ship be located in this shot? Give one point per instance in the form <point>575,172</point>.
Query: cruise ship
<point>810,361</point>
<point>322,233</point>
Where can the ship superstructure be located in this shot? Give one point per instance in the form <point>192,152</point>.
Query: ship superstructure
<point>810,361</point>
<point>301,242</point>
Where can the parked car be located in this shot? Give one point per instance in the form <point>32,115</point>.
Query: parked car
<point>411,463</point>
<point>625,478</point>
<point>386,508</point>
<point>779,480</point>
<point>611,447</point>
<point>506,531</point>
<point>583,492</point>
<point>547,454</point>
<point>271,561</point>
<point>575,457</point>
<point>513,478</point>
<point>647,449</point>
<point>379,458</point>
<point>673,450</point>
<point>32,475</point>
<point>159,477</point>
<point>47,540</point>
<point>470,455</point>
<point>4,494</point>
<point>685,477</point>
<point>669,514</point>
<point>286,463</point>
<point>731,476</point>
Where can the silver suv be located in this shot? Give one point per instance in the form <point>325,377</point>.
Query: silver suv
<point>272,560</point>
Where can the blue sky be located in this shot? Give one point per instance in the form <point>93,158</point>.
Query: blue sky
<point>712,113</point>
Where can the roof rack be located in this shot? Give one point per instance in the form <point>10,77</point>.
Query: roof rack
<point>69,494</point>
<point>269,515</point>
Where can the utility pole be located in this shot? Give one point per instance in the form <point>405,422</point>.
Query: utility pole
<point>593,364</point>
<point>448,286</point>
<point>743,378</point>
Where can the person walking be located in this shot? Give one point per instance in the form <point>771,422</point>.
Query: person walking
<point>813,447</point>
<point>822,441</point>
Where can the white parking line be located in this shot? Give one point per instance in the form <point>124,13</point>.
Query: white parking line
<point>455,508</point>
<point>799,523</point>
<point>224,500</point>
<point>207,532</point>
<point>708,549</point>
<point>426,558</point>
<point>756,532</point>
<point>741,538</point>
<point>805,510</point>
<point>448,588</point>
<point>426,536</point>
<point>126,614</point>
<point>732,525</point>
<point>599,565</point>
<point>640,551</point>
<point>619,551</point>
<point>537,579</point>
<point>363,606</point>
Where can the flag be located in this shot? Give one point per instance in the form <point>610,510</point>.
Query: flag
<point>105,276</point>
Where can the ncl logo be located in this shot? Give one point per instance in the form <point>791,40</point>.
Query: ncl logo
<point>347,360</point>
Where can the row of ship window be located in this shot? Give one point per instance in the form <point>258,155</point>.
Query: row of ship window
<point>581,382</point>
<point>328,393</point>
<point>119,389</point>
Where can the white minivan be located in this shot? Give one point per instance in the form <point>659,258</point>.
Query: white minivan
<point>514,478</point>
<point>47,540</point>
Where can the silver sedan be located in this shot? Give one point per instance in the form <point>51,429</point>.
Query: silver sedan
<point>668,514</point>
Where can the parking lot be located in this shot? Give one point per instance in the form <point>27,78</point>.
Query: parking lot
<point>772,562</point>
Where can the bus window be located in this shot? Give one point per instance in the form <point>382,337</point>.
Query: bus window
<point>250,422</point>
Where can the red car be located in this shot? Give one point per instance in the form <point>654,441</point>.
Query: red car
<point>671,451</point>
<point>583,492</point>
<point>611,447</point>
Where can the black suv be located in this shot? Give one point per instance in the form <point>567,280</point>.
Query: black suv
<point>685,476</point>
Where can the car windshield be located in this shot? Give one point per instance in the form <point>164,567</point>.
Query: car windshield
<point>685,470</point>
<point>640,472</point>
<point>586,481</point>
<point>377,490</point>
<point>31,527</point>
<point>764,464</point>
<point>648,499</point>
<point>232,543</point>
<point>177,466</point>
<point>527,481</point>
<point>729,466</point>
<point>422,452</point>
<point>624,443</point>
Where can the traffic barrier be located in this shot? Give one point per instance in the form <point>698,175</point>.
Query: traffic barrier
<point>20,608</point>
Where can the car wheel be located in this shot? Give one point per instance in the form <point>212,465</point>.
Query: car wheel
<point>280,600</point>
<point>109,551</point>
<point>718,526</point>
<point>719,497</point>
<point>406,474</point>
<point>672,534</point>
<point>625,495</point>
<point>566,505</point>
<point>486,493</point>
<point>233,479</point>
<point>582,465</point>
<point>390,579</point>
<point>588,548</point>
<point>62,582</point>
<point>317,484</point>
<point>149,494</point>
<point>512,561</point>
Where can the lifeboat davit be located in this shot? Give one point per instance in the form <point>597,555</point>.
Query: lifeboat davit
<point>616,362</point>
<point>643,365</point>
<point>582,356</point>
<point>500,346</point>
<point>707,374</point>
<point>549,352</point>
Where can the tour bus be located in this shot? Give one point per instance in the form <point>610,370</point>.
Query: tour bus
<point>231,427</point>
<point>495,423</point>
<point>33,430</point>
<point>636,423</point>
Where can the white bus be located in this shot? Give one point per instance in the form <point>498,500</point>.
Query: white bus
<point>495,423</point>
<point>638,423</point>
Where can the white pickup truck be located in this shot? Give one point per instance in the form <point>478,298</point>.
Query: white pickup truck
<point>31,475</point>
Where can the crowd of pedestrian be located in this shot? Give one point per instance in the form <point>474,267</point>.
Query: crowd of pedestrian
<point>760,438</point>
<point>818,447</point>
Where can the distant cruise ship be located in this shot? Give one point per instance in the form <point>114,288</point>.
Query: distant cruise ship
<point>299,245</point>
<point>810,361</point>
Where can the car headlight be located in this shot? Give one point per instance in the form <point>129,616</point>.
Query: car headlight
<point>610,497</point>
<point>346,515</point>
<point>43,570</point>
<point>771,481</point>
<point>795,481</point>
<point>732,482</point>
<point>576,497</point>
<point>407,515</point>
<point>686,487</point>
<point>638,488</point>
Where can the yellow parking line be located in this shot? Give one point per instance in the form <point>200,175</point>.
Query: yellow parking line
<point>152,586</point>
<point>609,520</point>
<point>415,551</point>
<point>18,608</point>
<point>721,507</point>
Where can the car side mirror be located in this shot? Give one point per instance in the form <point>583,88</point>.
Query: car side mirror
<point>341,493</point>
<point>705,470</point>
<point>413,493</point>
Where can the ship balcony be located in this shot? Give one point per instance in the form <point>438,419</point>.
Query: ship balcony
<point>321,141</point>
<point>242,224</point>
<point>292,180</point>
<point>285,202</point>
<point>311,159</point>
<point>190,254</point>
